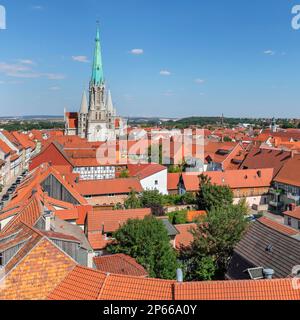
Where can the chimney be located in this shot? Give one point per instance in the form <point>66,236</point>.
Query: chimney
<point>268,273</point>
<point>179,275</point>
<point>90,259</point>
<point>48,218</point>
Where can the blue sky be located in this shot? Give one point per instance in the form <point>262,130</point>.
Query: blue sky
<point>195,57</point>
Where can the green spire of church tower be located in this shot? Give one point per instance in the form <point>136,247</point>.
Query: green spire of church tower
<point>97,75</point>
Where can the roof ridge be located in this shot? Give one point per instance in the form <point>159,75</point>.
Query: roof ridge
<point>103,286</point>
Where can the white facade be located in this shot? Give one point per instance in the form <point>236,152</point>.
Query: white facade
<point>157,181</point>
<point>96,173</point>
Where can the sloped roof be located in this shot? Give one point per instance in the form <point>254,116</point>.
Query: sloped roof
<point>265,245</point>
<point>290,172</point>
<point>4,147</point>
<point>143,171</point>
<point>185,236</point>
<point>280,289</point>
<point>37,273</point>
<point>111,220</point>
<point>294,214</point>
<point>86,284</point>
<point>235,179</point>
<point>109,186</point>
<point>173,180</point>
<point>120,264</point>
<point>259,158</point>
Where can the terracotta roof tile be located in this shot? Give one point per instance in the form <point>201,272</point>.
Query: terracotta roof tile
<point>111,186</point>
<point>235,179</point>
<point>185,237</point>
<point>281,289</point>
<point>294,214</point>
<point>80,284</point>
<point>143,171</point>
<point>120,264</point>
<point>111,220</point>
<point>278,226</point>
<point>290,172</point>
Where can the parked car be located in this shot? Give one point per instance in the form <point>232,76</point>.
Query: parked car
<point>5,197</point>
<point>10,191</point>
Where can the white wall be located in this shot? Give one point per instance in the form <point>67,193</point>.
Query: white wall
<point>294,222</point>
<point>161,177</point>
<point>254,201</point>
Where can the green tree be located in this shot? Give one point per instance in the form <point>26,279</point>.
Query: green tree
<point>214,239</point>
<point>178,217</point>
<point>188,198</point>
<point>148,242</point>
<point>154,200</point>
<point>211,195</point>
<point>132,201</point>
<point>227,139</point>
<point>124,173</point>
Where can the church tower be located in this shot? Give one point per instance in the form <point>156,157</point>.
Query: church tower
<point>97,119</point>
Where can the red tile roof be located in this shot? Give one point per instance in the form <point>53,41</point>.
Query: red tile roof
<point>278,226</point>
<point>235,179</point>
<point>80,284</point>
<point>111,220</point>
<point>294,214</point>
<point>185,237</point>
<point>87,284</point>
<point>265,158</point>
<point>281,289</point>
<point>109,186</point>
<point>143,171</point>
<point>173,180</point>
<point>120,264</point>
<point>4,147</point>
<point>290,172</point>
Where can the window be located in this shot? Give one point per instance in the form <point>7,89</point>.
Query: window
<point>1,259</point>
<point>156,182</point>
<point>289,221</point>
<point>299,224</point>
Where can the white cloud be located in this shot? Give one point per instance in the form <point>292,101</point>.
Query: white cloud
<point>54,76</point>
<point>269,52</point>
<point>26,61</point>
<point>83,59</point>
<point>37,7</point>
<point>165,73</point>
<point>54,88</point>
<point>137,51</point>
<point>26,72</point>
<point>199,81</point>
<point>168,93</point>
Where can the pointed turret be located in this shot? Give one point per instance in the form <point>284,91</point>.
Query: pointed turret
<point>84,104</point>
<point>109,103</point>
<point>97,75</point>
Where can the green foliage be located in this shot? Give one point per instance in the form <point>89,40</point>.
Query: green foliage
<point>227,139</point>
<point>30,125</point>
<point>133,201</point>
<point>211,195</point>
<point>124,173</point>
<point>154,200</point>
<point>188,198</point>
<point>178,217</point>
<point>148,242</point>
<point>215,239</point>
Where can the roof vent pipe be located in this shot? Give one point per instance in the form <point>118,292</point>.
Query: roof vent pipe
<point>179,275</point>
<point>268,273</point>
